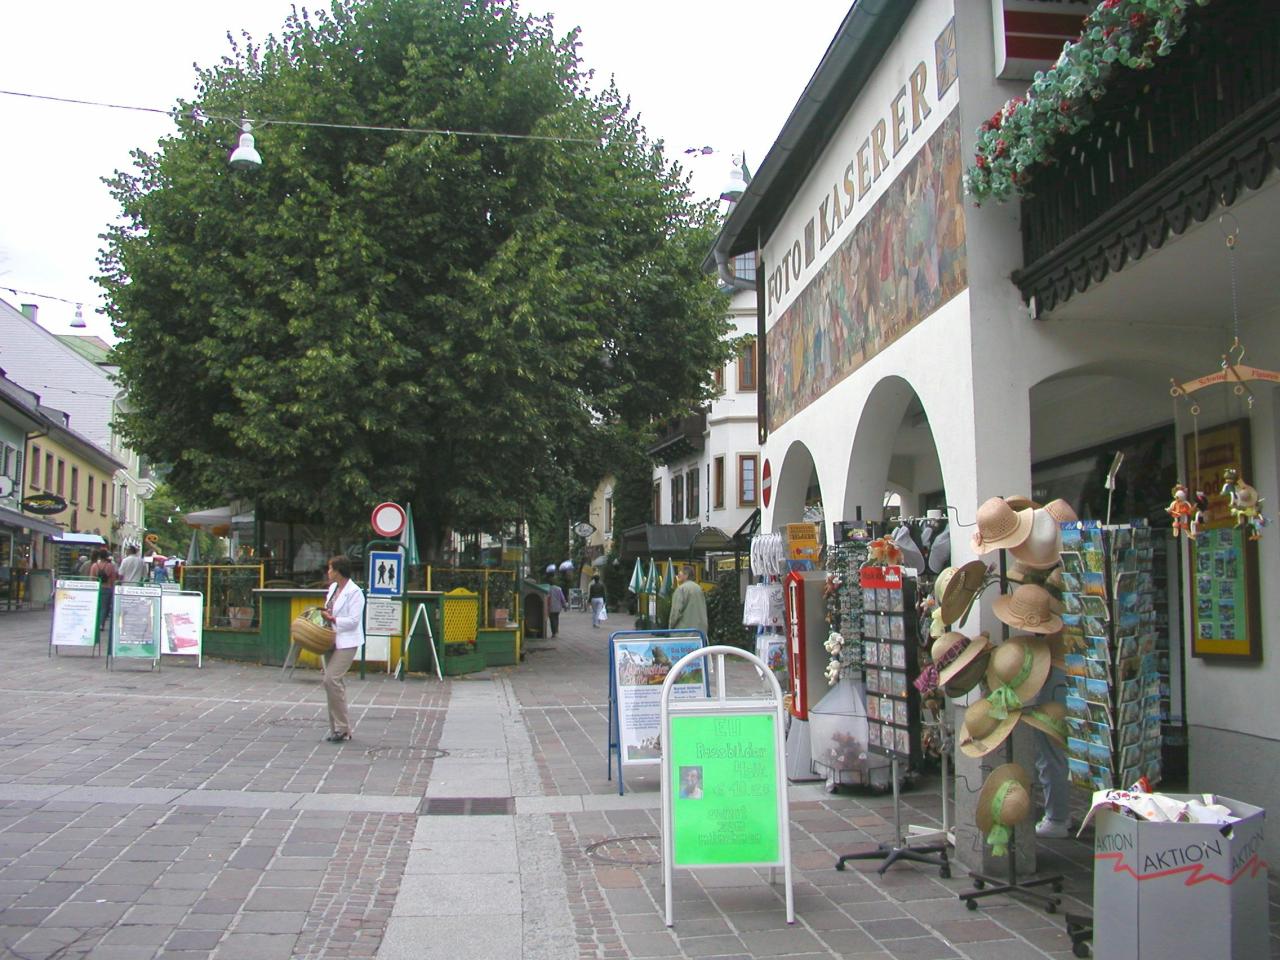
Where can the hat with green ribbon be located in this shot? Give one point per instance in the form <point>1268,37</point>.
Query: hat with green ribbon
<point>1003,803</point>
<point>1049,718</point>
<point>1015,673</point>
<point>981,731</point>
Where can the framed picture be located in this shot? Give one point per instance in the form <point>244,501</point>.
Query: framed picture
<point>1226,617</point>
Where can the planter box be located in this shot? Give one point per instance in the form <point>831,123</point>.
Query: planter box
<point>498,647</point>
<point>455,665</point>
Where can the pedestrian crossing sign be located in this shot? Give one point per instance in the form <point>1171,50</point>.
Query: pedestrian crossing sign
<point>386,573</point>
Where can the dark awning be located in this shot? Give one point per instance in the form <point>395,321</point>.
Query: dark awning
<point>12,518</point>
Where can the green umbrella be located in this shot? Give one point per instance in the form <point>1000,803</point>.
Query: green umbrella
<point>668,580</point>
<point>408,538</point>
<point>637,579</point>
<point>651,582</point>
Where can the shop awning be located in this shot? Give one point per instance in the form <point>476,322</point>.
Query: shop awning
<point>86,539</point>
<point>12,518</point>
<point>216,520</point>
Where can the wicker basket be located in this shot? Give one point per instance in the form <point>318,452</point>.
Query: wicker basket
<point>309,635</point>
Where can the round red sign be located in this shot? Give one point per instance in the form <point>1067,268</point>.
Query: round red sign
<point>766,483</point>
<point>388,519</point>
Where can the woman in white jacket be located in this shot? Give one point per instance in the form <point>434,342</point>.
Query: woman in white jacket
<point>344,611</point>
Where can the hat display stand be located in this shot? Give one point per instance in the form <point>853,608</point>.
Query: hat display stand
<point>984,886</point>
<point>890,629</point>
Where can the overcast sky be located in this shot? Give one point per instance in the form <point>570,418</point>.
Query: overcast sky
<point>700,72</point>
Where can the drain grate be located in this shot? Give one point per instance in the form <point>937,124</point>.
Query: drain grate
<point>639,851</point>
<point>466,806</point>
<point>405,753</point>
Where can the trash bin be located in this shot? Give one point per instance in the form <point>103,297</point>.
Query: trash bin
<point>1180,891</point>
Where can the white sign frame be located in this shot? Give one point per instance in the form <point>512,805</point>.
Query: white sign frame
<point>189,604</point>
<point>70,598</point>
<point>720,705</point>
<point>383,617</point>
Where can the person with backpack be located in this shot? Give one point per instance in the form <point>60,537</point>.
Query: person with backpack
<point>104,571</point>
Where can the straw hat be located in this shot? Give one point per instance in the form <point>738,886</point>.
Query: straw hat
<point>960,590</point>
<point>1043,546</point>
<point>1018,669</point>
<point>1057,643</point>
<point>1003,802</point>
<point>1022,503</point>
<point>981,732</point>
<point>1049,718</point>
<point>953,652</point>
<point>1027,608</point>
<point>1000,526</point>
<point>1061,511</point>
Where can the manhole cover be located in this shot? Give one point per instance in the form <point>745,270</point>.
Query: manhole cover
<point>406,753</point>
<point>643,851</point>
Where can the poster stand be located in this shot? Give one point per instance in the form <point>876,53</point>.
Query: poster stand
<point>402,668</point>
<point>135,625</point>
<point>182,624</point>
<point>77,615</point>
<point>724,786</point>
<point>631,652</point>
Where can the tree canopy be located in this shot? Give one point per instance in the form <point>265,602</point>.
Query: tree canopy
<point>460,320</point>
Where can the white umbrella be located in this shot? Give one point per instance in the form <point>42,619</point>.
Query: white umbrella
<point>193,551</point>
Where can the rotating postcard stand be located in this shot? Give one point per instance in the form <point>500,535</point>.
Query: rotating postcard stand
<point>984,886</point>
<point>893,709</point>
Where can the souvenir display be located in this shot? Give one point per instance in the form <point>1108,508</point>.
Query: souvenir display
<point>890,594</point>
<point>1003,803</point>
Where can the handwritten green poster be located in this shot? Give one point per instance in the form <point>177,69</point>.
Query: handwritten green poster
<point>724,789</point>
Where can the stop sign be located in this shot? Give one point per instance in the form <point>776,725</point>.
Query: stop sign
<point>766,483</point>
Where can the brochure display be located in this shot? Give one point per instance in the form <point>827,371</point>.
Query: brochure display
<point>75,614</point>
<point>889,658</point>
<point>639,662</point>
<point>182,623</point>
<point>135,624</point>
<point>724,788</point>
<point>1112,662</point>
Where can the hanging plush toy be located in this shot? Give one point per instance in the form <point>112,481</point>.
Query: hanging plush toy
<point>1201,516</point>
<point>1246,505</point>
<point>883,552</point>
<point>1180,509</point>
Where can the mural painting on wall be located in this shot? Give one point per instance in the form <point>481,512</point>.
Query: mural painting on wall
<point>901,262</point>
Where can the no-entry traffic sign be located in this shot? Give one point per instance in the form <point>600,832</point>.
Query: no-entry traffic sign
<point>388,519</point>
<point>766,483</point>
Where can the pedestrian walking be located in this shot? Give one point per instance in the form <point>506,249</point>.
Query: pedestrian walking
<point>132,568</point>
<point>688,603</point>
<point>555,604</point>
<point>104,571</point>
<point>344,612</point>
<point>595,593</point>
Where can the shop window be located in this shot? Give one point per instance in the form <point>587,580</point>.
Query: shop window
<point>75,484</point>
<point>717,499</point>
<point>748,467</point>
<point>747,368</point>
<point>677,498</point>
<point>693,496</point>
<point>90,493</point>
<point>62,477</point>
<point>35,467</point>
<point>657,502</point>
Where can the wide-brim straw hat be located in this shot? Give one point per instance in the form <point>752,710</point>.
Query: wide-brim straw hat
<point>1017,801</point>
<point>1000,526</point>
<point>1061,511</point>
<point>958,594</point>
<point>970,650</point>
<point>1042,548</point>
<point>1022,659</point>
<point>980,733</point>
<point>1049,718</point>
<point>1022,503</point>
<point>1028,608</point>
<point>968,678</point>
<point>1057,643</point>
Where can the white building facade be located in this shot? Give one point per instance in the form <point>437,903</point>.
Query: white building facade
<point>914,343</point>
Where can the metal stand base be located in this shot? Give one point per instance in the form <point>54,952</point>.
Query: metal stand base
<point>1080,930</point>
<point>989,887</point>
<point>891,854</point>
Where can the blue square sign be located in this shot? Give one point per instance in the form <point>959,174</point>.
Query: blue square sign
<point>386,573</point>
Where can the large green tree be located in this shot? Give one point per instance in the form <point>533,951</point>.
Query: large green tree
<point>458,320</point>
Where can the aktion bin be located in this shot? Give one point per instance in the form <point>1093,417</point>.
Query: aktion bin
<point>1180,891</point>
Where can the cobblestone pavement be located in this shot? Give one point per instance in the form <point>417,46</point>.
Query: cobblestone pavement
<point>196,814</point>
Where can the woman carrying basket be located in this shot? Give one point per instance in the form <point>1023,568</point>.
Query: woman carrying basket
<point>344,612</point>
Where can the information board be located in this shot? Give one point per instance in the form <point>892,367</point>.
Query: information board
<point>640,665</point>
<point>385,573</point>
<point>135,622</point>
<point>75,614</point>
<point>724,807</point>
<point>382,617</point>
<point>182,623</point>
